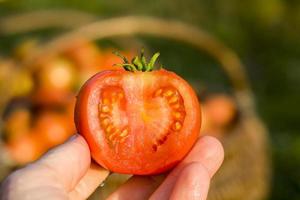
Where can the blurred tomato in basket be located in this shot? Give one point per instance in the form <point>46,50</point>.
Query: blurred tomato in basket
<point>25,148</point>
<point>89,59</point>
<point>53,82</point>
<point>53,128</point>
<point>17,124</point>
<point>219,113</point>
<point>31,133</point>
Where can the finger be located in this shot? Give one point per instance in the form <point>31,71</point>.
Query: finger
<point>59,170</point>
<point>68,162</point>
<point>136,188</point>
<point>192,184</point>
<point>91,180</point>
<point>208,151</point>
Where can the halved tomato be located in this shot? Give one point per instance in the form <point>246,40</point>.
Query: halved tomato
<point>138,121</point>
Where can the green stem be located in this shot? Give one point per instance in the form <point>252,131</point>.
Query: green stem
<point>138,63</point>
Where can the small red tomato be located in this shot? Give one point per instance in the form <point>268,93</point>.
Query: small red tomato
<point>25,149</point>
<point>221,110</point>
<point>139,120</point>
<point>55,80</point>
<point>53,128</point>
<point>85,55</point>
<point>109,60</point>
<point>17,123</point>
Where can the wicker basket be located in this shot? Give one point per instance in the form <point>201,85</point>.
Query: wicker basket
<point>245,173</point>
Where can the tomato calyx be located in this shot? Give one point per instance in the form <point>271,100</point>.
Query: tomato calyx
<point>138,63</point>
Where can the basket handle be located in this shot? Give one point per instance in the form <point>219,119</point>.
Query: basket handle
<point>41,19</point>
<point>128,26</point>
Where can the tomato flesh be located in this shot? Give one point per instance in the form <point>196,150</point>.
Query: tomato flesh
<point>138,122</point>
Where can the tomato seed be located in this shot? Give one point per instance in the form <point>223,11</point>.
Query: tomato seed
<point>168,93</point>
<point>123,139</point>
<point>105,122</point>
<point>105,109</point>
<point>111,136</point>
<point>109,128</point>
<point>177,126</point>
<point>124,133</point>
<point>173,99</point>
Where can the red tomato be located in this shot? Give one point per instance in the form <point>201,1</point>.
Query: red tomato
<point>55,80</point>
<point>221,109</point>
<point>138,122</point>
<point>25,149</point>
<point>87,58</point>
<point>53,128</point>
<point>109,60</point>
<point>48,130</point>
<point>17,123</point>
<point>219,115</point>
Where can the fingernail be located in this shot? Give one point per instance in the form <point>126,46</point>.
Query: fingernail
<point>73,137</point>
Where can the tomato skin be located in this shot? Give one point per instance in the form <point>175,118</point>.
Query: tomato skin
<point>135,156</point>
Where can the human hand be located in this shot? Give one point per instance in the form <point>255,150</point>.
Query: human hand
<point>66,172</point>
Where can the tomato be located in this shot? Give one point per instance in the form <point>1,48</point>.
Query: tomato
<point>109,59</point>
<point>25,149</point>
<point>28,139</point>
<point>89,59</point>
<point>53,128</point>
<point>219,114</point>
<point>55,80</point>
<point>17,123</point>
<point>86,55</point>
<point>221,110</point>
<point>138,121</point>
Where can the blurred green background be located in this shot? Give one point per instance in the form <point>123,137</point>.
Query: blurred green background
<point>266,36</point>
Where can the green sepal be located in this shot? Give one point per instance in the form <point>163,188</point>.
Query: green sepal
<point>153,60</point>
<point>138,64</point>
<point>136,61</point>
